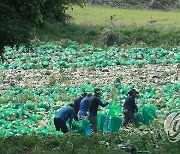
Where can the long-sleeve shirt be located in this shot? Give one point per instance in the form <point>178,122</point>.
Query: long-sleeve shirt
<point>84,106</point>
<point>94,104</point>
<point>130,104</point>
<point>65,114</point>
<point>77,102</point>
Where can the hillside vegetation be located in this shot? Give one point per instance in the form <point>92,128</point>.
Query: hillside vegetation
<point>89,25</point>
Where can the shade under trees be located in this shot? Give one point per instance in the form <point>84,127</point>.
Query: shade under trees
<point>18,18</point>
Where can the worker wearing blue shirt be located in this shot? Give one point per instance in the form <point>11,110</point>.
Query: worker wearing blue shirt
<point>84,106</point>
<point>62,116</point>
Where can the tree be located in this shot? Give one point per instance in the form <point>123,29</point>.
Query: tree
<point>18,18</point>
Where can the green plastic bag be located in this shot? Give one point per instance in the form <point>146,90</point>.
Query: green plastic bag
<point>115,123</point>
<point>36,117</point>
<point>86,126</point>
<point>138,119</point>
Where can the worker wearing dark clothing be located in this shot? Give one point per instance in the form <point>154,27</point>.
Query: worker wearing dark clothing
<point>62,116</point>
<point>93,107</point>
<point>76,103</point>
<point>94,104</point>
<point>130,104</point>
<point>130,108</point>
<point>84,106</point>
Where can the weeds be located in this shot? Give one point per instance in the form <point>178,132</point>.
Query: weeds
<point>146,138</point>
<point>132,36</point>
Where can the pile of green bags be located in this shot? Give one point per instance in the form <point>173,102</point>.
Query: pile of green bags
<point>82,126</point>
<point>111,119</point>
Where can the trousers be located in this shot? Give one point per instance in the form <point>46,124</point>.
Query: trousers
<point>60,124</point>
<point>93,123</point>
<point>128,117</point>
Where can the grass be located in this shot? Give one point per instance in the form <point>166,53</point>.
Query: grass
<point>135,27</point>
<point>149,36</point>
<point>151,139</point>
<point>124,18</point>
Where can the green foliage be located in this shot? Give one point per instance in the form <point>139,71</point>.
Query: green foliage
<point>150,139</point>
<point>148,36</point>
<point>19,18</point>
<point>53,144</point>
<point>13,29</point>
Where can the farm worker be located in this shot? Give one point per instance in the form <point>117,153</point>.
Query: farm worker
<point>62,116</point>
<point>130,107</point>
<point>84,106</point>
<point>76,103</point>
<point>93,107</point>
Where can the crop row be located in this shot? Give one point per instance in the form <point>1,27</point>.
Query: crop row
<point>50,56</point>
<point>31,110</point>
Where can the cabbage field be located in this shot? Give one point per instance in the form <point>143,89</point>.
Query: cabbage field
<point>36,83</point>
<point>49,56</point>
<point>53,51</point>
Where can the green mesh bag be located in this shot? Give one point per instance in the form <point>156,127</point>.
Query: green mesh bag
<point>115,123</point>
